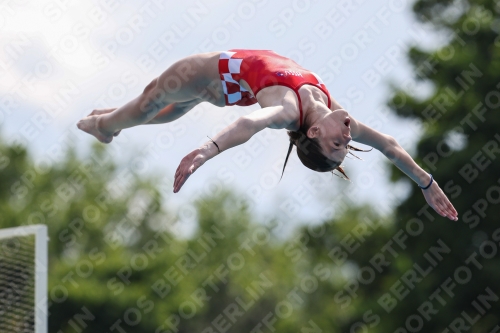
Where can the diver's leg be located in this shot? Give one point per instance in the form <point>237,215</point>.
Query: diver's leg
<point>174,111</point>
<point>183,82</point>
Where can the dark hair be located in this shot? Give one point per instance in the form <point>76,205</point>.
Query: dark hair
<point>311,155</point>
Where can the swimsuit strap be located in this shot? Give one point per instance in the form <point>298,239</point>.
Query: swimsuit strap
<point>300,107</point>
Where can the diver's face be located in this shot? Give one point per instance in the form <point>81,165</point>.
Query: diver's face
<point>335,135</point>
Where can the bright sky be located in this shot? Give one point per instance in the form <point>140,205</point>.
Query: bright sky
<point>59,59</point>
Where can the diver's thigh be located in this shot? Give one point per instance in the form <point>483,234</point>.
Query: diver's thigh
<point>193,77</point>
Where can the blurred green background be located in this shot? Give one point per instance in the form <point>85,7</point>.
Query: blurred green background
<point>116,264</point>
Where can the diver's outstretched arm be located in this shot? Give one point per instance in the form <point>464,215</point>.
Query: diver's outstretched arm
<point>235,134</point>
<point>434,196</point>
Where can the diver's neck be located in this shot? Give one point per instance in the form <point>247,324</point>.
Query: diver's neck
<point>314,111</point>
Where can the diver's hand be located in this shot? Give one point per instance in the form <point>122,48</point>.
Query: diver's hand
<point>436,198</point>
<point>189,164</point>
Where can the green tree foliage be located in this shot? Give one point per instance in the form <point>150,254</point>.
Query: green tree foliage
<point>91,209</point>
<point>419,272</point>
<point>442,276</point>
<point>117,264</point>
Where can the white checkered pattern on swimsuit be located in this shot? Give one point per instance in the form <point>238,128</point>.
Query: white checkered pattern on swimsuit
<point>229,74</point>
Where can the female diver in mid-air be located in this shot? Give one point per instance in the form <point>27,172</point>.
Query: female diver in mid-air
<point>291,97</point>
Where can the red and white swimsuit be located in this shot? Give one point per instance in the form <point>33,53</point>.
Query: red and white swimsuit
<point>261,69</point>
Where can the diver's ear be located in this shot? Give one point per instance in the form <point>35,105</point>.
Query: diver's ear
<point>313,132</point>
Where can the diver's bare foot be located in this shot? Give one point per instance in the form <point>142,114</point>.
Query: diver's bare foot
<point>90,125</point>
<point>98,112</point>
